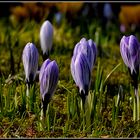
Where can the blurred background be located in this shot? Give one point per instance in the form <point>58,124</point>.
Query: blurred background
<point>126,14</point>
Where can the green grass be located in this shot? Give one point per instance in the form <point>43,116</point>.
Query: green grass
<point>106,115</point>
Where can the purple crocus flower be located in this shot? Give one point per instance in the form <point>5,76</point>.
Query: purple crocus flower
<point>88,48</point>
<point>81,74</point>
<point>48,78</point>
<point>130,52</point>
<point>46,38</point>
<point>82,62</point>
<point>30,62</point>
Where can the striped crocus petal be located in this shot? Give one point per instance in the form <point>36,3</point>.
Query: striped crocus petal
<point>124,49</point>
<point>134,49</point>
<point>45,63</point>
<point>82,72</point>
<point>81,46</point>
<point>76,49</point>
<point>48,78</point>
<point>30,61</point>
<point>133,45</point>
<point>88,50</point>
<point>94,49</point>
<point>72,67</point>
<point>46,36</point>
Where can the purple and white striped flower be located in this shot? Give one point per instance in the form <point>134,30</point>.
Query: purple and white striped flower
<point>130,52</point>
<point>46,38</point>
<point>48,79</point>
<point>88,48</point>
<point>82,62</point>
<point>30,61</point>
<point>81,74</point>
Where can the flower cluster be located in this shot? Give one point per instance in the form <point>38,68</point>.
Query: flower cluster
<point>82,63</point>
<point>48,74</point>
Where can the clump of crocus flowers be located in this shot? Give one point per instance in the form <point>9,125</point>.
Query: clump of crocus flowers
<point>48,74</point>
<point>46,38</point>
<point>82,62</point>
<point>130,52</point>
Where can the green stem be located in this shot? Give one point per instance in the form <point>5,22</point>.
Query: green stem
<point>27,90</point>
<point>134,109</point>
<point>27,96</point>
<point>137,102</point>
<point>42,119</point>
<point>83,120</point>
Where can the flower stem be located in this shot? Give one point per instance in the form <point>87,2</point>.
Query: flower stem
<point>134,109</point>
<point>27,95</point>
<point>137,102</point>
<point>42,118</point>
<point>27,90</point>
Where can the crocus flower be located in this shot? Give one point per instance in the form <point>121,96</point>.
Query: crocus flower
<point>46,37</point>
<point>48,78</point>
<point>88,48</point>
<point>81,74</point>
<point>130,52</point>
<point>82,62</point>
<point>30,62</point>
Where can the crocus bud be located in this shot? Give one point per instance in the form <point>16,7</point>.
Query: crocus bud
<point>88,48</point>
<point>130,52</point>
<point>81,74</point>
<point>48,78</point>
<point>30,61</point>
<point>46,37</point>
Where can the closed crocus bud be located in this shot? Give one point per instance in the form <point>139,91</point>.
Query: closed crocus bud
<point>46,38</point>
<point>81,74</point>
<point>88,48</point>
<point>48,78</point>
<point>130,52</point>
<point>30,62</point>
